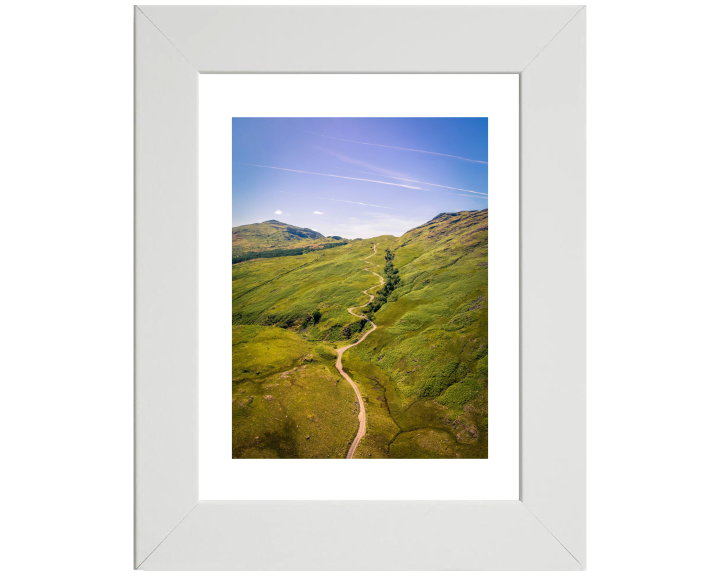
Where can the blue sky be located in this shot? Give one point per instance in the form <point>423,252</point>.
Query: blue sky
<point>357,177</point>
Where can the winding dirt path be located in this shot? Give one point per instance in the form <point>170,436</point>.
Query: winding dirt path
<point>339,366</point>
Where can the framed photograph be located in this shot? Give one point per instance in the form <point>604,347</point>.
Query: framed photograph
<point>352,187</point>
<point>360,286</point>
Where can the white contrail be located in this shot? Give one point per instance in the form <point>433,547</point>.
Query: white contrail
<point>349,202</point>
<point>398,148</point>
<point>334,176</point>
<point>418,182</point>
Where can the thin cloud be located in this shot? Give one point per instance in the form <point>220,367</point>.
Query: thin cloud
<point>316,212</point>
<point>398,148</point>
<point>418,182</point>
<point>334,176</point>
<point>377,170</point>
<point>348,202</point>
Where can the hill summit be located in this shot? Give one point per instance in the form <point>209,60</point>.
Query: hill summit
<point>453,223</point>
<point>270,235</point>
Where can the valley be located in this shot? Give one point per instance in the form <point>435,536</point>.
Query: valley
<point>321,372</point>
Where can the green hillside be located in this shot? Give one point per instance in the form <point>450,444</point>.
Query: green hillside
<point>422,374</point>
<point>274,234</point>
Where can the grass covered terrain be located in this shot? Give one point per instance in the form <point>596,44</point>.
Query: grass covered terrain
<point>288,401</point>
<point>422,374</point>
<point>277,252</point>
<point>272,235</point>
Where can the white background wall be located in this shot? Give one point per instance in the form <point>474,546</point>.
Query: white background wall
<point>66,288</point>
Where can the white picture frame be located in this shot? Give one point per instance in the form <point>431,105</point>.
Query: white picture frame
<point>545,528</point>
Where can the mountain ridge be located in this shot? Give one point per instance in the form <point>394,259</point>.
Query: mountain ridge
<point>272,234</point>
<point>276,234</point>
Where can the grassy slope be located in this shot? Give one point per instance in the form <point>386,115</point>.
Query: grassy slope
<point>271,301</point>
<point>425,368</point>
<point>273,234</point>
<point>288,400</point>
<point>422,374</point>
